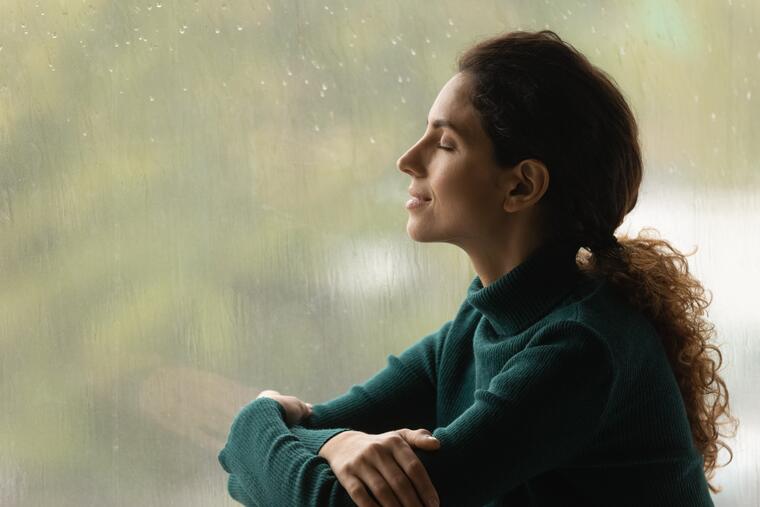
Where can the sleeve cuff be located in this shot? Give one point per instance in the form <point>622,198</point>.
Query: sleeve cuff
<point>314,439</point>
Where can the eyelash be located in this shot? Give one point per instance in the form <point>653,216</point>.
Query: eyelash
<point>447,148</point>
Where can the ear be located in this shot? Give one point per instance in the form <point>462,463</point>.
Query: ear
<point>524,184</point>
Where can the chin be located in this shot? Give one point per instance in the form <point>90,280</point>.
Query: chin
<point>418,235</point>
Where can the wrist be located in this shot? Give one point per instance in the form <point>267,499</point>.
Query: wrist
<point>328,446</point>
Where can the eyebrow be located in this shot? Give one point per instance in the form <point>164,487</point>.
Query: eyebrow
<point>441,122</point>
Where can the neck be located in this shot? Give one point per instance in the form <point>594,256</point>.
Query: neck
<point>491,262</point>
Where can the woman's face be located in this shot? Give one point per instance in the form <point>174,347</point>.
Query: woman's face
<point>452,165</point>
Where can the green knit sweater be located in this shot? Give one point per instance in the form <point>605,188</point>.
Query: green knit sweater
<point>546,388</point>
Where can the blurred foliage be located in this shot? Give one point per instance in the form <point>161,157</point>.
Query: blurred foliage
<point>205,194</point>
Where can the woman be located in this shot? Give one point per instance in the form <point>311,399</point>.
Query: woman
<point>572,377</point>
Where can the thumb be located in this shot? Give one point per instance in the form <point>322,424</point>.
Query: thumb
<point>423,438</point>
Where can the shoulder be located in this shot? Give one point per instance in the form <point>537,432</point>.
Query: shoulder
<point>597,310</point>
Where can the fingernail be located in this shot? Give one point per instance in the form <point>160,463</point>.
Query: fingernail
<point>430,437</point>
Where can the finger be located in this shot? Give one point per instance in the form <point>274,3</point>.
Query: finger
<point>423,438</point>
<point>358,493</point>
<point>415,470</point>
<point>398,481</point>
<point>379,485</point>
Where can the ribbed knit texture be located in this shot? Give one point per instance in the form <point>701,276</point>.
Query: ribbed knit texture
<point>545,389</point>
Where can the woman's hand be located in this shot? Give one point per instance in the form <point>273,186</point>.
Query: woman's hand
<point>385,464</point>
<point>295,409</point>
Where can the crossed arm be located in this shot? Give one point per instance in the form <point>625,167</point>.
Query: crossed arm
<point>401,395</point>
<point>565,373</point>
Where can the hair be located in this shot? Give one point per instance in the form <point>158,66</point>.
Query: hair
<point>538,98</point>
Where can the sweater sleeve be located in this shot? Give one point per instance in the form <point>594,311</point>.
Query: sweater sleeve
<point>564,374</point>
<point>271,465</point>
<point>538,412</point>
<point>401,395</point>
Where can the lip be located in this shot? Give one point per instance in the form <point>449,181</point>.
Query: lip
<point>416,202</point>
<point>419,196</point>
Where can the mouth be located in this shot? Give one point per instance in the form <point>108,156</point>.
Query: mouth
<point>421,197</point>
<point>416,202</point>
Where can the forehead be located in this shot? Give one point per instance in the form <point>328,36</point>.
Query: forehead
<point>453,104</point>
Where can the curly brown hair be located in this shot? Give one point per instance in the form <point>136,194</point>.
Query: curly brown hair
<point>539,98</point>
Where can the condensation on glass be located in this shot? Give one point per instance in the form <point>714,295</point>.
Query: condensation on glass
<point>199,200</point>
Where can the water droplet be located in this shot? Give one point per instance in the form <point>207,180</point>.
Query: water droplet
<point>316,128</point>
<point>372,140</point>
<point>400,79</point>
<point>324,86</point>
<point>184,89</point>
<point>448,35</point>
<point>84,134</point>
<point>393,41</point>
<point>451,22</point>
<point>622,51</point>
<point>712,116</point>
<point>284,83</point>
<point>427,41</point>
<point>159,5</point>
<point>240,28</point>
<point>289,73</point>
<point>151,98</point>
<point>305,81</point>
<point>403,100</point>
<point>413,52</point>
<point>749,95</point>
<point>217,31</point>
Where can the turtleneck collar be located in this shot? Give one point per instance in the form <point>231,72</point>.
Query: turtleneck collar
<point>523,295</point>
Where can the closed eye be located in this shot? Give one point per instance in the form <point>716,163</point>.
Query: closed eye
<point>447,148</point>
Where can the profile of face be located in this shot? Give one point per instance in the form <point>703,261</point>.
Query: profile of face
<point>452,165</point>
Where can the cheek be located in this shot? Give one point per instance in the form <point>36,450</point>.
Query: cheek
<point>472,203</point>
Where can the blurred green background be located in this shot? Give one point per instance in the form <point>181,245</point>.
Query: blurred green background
<point>200,200</point>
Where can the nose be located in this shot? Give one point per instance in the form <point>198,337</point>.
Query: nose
<point>409,162</point>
